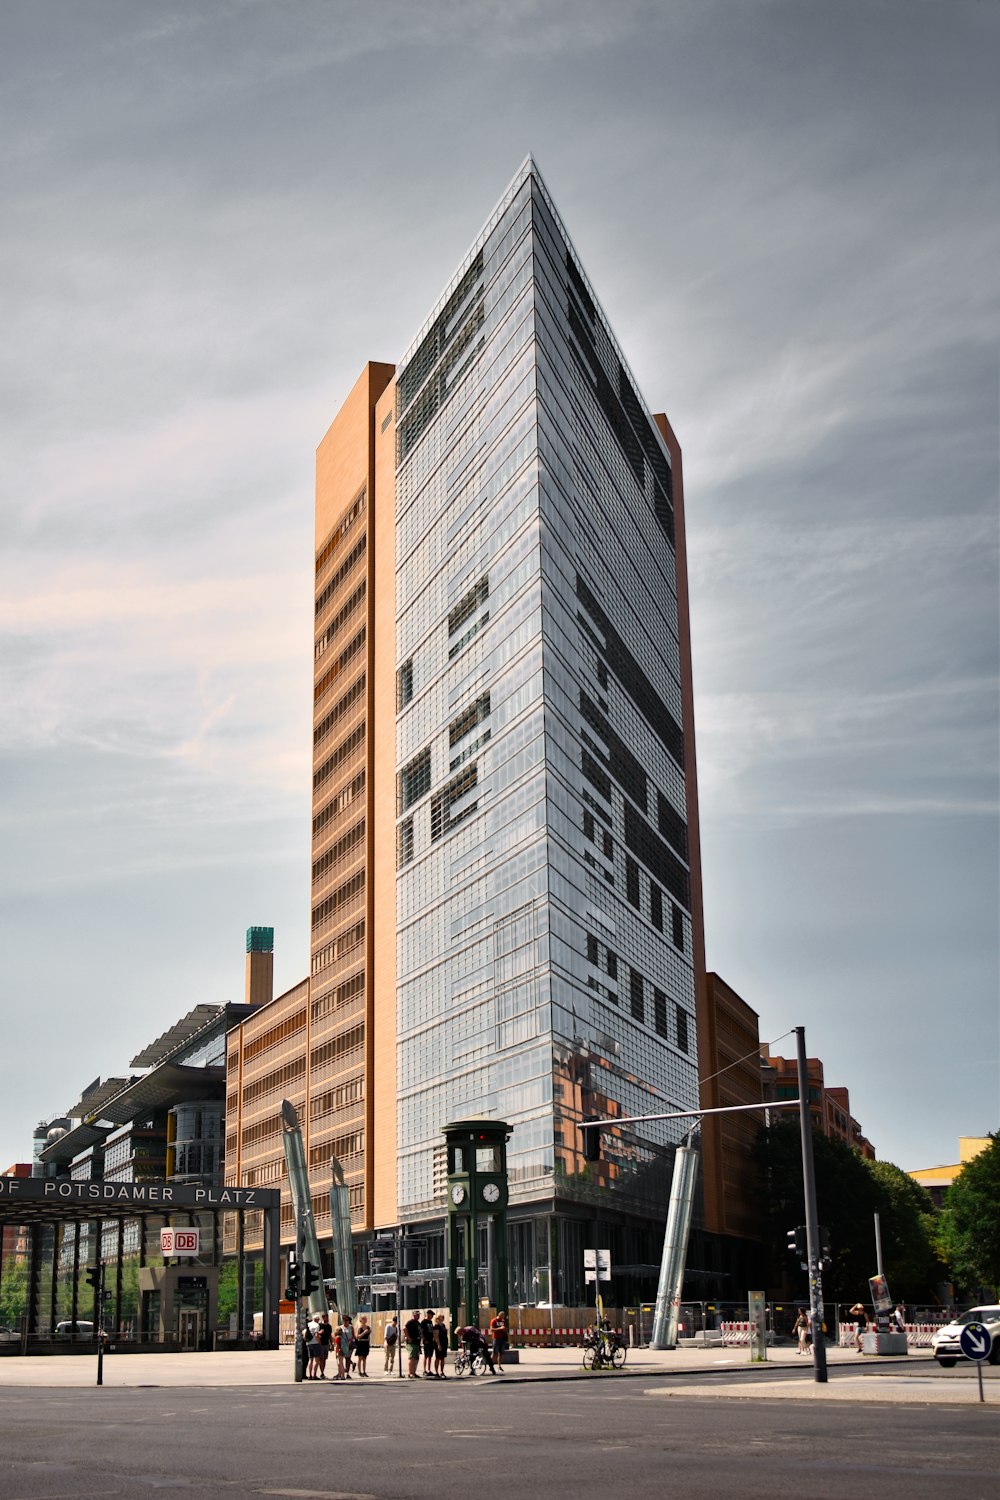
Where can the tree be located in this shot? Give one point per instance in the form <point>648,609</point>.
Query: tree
<point>970,1222</point>
<point>908,1231</point>
<point>850,1191</point>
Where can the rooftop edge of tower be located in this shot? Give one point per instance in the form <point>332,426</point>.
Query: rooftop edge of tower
<point>529,168</point>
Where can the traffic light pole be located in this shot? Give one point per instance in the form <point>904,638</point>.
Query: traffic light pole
<point>100,1325</point>
<point>813,1252</point>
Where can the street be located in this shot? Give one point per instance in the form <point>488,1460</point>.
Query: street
<point>633,1439</point>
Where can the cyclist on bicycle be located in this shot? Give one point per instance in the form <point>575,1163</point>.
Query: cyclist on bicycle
<point>474,1344</point>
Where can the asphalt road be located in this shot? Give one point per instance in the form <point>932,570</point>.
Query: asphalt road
<point>325,1442</point>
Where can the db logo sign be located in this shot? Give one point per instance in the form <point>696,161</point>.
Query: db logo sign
<point>179,1241</point>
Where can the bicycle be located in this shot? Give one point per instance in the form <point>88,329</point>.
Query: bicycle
<point>466,1363</point>
<point>603,1349</point>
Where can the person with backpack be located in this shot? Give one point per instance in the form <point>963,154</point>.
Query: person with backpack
<point>390,1340</point>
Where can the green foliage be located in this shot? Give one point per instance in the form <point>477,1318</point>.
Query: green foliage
<point>907,1223</point>
<point>970,1223</point>
<point>13,1291</point>
<point>849,1193</point>
<point>228,1289</point>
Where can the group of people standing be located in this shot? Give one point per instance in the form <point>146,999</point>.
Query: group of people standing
<point>350,1345</point>
<point>425,1337</point>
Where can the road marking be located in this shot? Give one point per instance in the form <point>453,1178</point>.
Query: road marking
<point>318,1494</point>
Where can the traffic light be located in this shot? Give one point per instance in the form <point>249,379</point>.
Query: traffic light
<point>310,1277</point>
<point>797,1245</point>
<point>94,1277</point>
<point>591,1142</point>
<point>292,1280</point>
<point>825,1254</point>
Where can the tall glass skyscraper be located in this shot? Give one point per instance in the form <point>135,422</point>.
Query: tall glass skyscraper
<point>548,921</point>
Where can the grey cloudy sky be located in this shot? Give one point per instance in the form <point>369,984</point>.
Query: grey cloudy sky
<point>215,213</point>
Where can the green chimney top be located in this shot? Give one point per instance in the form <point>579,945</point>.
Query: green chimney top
<point>260,939</point>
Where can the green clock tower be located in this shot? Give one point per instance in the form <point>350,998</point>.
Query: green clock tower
<point>477,1189</point>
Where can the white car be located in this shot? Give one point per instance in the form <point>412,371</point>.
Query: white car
<point>945,1343</point>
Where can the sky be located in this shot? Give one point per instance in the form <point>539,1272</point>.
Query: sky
<point>215,213</point>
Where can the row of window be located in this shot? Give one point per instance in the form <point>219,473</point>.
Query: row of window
<point>355,510</point>
<point>340,708</point>
<point>345,846</point>
<point>279,1078</point>
<point>347,747</point>
<point>340,619</point>
<point>274,1034</point>
<point>356,553</point>
<point>346,656</point>
<point>343,994</point>
<point>346,1095</point>
<point>338,948</point>
<point>342,1147</point>
<point>340,897</point>
<point>343,800</point>
<point>338,1047</point>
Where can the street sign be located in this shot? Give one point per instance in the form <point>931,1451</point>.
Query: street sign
<point>975,1341</point>
<point>596,1265</point>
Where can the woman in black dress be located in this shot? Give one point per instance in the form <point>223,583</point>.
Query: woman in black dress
<point>362,1345</point>
<point>440,1346</point>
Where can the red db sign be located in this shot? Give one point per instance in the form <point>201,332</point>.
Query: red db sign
<point>179,1241</point>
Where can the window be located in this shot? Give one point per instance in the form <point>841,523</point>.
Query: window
<point>591,948</point>
<point>678,926</point>
<point>632,881</point>
<point>612,965</point>
<point>588,826</point>
<point>413,781</point>
<point>656,906</point>
<point>404,684</point>
<point>609,848</point>
<point>660,1012</point>
<point>467,606</point>
<point>442,821</point>
<point>404,843</point>
<point>636,998</point>
<point>468,719</point>
<point>682,1028</point>
<point>597,778</point>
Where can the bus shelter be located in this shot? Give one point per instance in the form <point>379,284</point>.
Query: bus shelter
<point>140,1260</point>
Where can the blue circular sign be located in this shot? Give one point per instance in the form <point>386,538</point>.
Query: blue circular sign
<point>975,1341</point>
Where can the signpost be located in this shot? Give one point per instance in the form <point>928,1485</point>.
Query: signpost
<point>597,1268</point>
<point>976,1342</point>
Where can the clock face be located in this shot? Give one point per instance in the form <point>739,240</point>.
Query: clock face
<point>491,1193</point>
<point>458,1193</point>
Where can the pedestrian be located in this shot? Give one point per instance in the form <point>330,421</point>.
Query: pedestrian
<point>362,1346</point>
<point>324,1337</point>
<point>411,1333</point>
<point>390,1339</point>
<point>440,1346</point>
<point>498,1333</point>
<point>899,1318</point>
<point>347,1345</point>
<point>427,1341</point>
<point>860,1316</point>
<point>801,1330</point>
<point>338,1349</point>
<point>312,1348</point>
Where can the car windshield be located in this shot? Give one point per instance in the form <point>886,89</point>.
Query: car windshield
<point>980,1315</point>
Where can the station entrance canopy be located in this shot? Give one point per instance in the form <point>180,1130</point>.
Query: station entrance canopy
<point>59,1226</point>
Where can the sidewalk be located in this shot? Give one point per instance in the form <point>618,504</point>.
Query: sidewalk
<point>275,1368</point>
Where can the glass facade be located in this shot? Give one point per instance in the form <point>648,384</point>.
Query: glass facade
<point>540,762</point>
